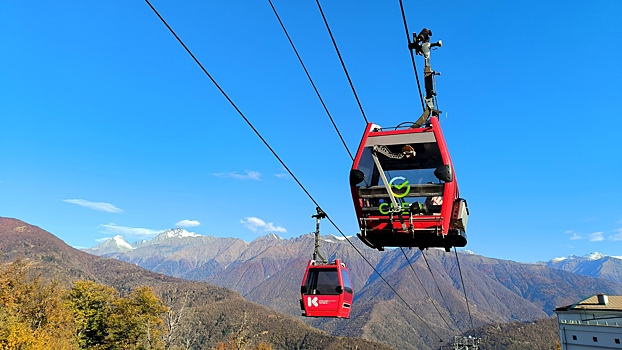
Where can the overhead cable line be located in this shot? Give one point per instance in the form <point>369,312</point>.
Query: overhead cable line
<point>437,286</point>
<point>345,70</point>
<point>285,166</point>
<point>463,289</point>
<point>434,279</point>
<point>310,80</point>
<point>425,290</point>
<point>412,56</point>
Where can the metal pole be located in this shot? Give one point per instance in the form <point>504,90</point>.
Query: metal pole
<point>421,45</point>
<point>319,216</point>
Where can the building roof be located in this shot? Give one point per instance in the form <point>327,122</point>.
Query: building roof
<point>591,303</point>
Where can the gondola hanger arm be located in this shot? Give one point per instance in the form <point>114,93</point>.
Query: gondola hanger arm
<point>397,208</point>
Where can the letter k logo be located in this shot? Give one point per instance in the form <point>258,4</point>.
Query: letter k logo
<point>311,301</point>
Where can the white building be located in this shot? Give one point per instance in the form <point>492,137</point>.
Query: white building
<point>593,323</point>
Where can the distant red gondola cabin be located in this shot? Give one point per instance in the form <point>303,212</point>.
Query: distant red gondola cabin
<point>405,190</point>
<point>326,290</point>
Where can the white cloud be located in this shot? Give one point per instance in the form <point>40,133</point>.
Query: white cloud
<point>250,175</point>
<point>282,175</point>
<point>187,223</point>
<point>115,229</point>
<point>257,225</point>
<point>253,223</point>
<point>100,206</point>
<point>616,237</point>
<point>271,228</point>
<point>575,236</point>
<point>596,237</point>
<point>103,239</point>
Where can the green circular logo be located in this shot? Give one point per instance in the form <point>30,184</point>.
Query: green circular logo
<point>403,192</point>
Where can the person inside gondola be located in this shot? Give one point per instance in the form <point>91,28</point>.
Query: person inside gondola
<point>408,151</point>
<point>432,205</point>
<point>428,207</point>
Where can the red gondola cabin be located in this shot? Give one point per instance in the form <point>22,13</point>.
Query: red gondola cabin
<point>326,290</point>
<point>405,191</point>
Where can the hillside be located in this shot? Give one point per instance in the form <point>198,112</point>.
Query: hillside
<point>541,334</point>
<point>498,291</point>
<point>213,313</point>
<point>269,269</point>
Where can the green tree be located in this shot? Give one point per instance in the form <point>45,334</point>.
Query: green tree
<point>108,322</point>
<point>137,321</point>
<point>92,306</point>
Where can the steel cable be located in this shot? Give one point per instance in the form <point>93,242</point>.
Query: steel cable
<point>412,56</point>
<point>425,290</point>
<point>463,288</point>
<point>285,166</point>
<point>310,80</point>
<point>345,70</point>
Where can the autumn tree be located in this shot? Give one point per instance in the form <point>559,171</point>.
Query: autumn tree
<point>38,315</point>
<point>33,315</point>
<point>92,306</point>
<point>230,345</point>
<point>176,302</point>
<point>239,339</point>
<point>137,321</point>
<point>106,321</point>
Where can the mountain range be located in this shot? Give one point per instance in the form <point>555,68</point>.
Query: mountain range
<point>210,313</point>
<point>594,264</point>
<point>423,302</point>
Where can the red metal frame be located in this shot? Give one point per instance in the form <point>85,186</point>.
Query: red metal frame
<point>323,305</point>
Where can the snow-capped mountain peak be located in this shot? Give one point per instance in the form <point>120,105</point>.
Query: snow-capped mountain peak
<point>116,244</point>
<point>173,233</point>
<point>269,237</point>
<point>332,238</point>
<point>594,256</point>
<point>589,257</point>
<point>179,232</point>
<point>340,238</point>
<point>467,251</point>
<point>139,243</point>
<point>122,243</point>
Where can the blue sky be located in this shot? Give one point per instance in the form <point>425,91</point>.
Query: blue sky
<point>107,126</point>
